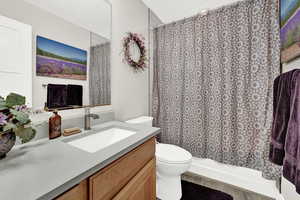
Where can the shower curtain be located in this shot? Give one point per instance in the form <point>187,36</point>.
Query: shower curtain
<point>99,75</point>
<point>213,78</point>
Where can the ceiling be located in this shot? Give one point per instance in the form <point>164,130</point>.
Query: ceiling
<point>173,10</point>
<point>93,15</point>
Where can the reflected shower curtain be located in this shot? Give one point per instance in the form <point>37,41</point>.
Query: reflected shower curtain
<point>213,78</point>
<point>99,83</point>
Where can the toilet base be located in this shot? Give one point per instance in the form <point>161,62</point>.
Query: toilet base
<point>168,188</point>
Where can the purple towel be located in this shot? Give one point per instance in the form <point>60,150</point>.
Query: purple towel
<point>285,143</point>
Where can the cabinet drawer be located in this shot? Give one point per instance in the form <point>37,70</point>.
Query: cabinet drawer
<point>142,186</point>
<point>79,192</point>
<point>105,184</point>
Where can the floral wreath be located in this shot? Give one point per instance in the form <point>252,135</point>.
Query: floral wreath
<point>139,41</point>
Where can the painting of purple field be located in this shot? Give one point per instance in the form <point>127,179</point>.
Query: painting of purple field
<point>55,59</point>
<point>290,29</point>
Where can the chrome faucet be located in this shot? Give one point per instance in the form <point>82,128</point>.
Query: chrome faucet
<point>87,118</point>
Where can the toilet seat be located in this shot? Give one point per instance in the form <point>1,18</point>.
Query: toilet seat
<point>171,154</point>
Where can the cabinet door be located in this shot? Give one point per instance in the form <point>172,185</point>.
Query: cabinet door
<point>105,184</point>
<point>142,186</point>
<point>16,58</point>
<point>79,192</point>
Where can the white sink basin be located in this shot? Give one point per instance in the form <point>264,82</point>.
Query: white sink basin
<point>102,139</point>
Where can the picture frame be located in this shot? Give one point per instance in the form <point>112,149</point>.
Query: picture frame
<point>59,60</point>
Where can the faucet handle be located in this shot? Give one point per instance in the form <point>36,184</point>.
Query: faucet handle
<point>87,110</point>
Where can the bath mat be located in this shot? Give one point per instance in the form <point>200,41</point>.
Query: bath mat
<point>191,191</point>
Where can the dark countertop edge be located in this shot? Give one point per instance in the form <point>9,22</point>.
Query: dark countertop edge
<point>75,181</point>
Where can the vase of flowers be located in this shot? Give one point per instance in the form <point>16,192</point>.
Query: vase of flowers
<point>14,122</point>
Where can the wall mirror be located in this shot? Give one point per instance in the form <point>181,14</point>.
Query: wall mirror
<point>56,56</point>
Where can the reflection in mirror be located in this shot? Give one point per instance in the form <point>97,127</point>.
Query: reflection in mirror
<point>61,59</point>
<point>99,84</point>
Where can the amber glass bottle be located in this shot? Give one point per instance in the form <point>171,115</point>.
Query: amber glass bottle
<point>54,125</point>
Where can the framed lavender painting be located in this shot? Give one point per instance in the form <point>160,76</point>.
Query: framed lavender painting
<point>55,59</point>
<point>289,29</point>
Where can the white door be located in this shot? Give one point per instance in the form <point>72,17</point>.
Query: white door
<point>15,58</point>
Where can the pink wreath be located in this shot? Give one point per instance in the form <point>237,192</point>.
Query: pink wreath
<point>139,41</point>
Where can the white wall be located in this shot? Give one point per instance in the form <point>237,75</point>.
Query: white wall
<point>130,91</point>
<point>93,15</point>
<point>288,189</point>
<point>52,27</point>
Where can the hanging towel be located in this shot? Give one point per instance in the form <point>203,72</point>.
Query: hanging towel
<point>56,96</point>
<point>74,97</point>
<point>285,140</point>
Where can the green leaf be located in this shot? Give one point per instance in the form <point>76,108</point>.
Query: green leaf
<point>22,117</point>
<point>2,104</point>
<point>14,99</point>
<point>25,134</point>
<point>9,126</point>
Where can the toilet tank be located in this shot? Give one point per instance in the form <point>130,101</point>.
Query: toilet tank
<point>144,120</point>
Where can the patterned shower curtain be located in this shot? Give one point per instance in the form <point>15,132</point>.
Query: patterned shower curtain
<point>99,74</point>
<point>213,78</point>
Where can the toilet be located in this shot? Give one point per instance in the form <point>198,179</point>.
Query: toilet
<point>171,162</point>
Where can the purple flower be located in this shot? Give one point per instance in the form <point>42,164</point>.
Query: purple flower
<point>21,108</point>
<point>3,119</point>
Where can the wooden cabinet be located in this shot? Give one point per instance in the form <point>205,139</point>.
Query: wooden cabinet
<point>142,186</point>
<point>131,177</point>
<point>105,184</point>
<point>79,192</point>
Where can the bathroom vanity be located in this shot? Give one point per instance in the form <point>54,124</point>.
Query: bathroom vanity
<point>130,177</point>
<point>121,166</point>
<point>113,160</point>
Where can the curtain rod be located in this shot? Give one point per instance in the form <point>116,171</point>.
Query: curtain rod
<point>201,13</point>
<point>205,12</point>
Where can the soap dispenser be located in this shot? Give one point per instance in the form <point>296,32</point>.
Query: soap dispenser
<point>54,125</point>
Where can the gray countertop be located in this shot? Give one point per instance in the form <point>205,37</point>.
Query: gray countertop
<point>44,169</point>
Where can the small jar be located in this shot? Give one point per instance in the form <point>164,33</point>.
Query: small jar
<point>54,125</point>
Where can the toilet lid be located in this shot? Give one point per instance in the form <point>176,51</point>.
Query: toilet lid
<point>172,154</point>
